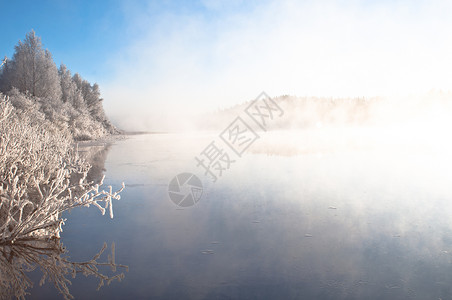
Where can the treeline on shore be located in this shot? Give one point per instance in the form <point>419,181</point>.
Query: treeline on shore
<point>53,96</point>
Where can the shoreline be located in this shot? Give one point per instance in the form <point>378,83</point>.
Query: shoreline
<point>110,139</point>
<point>102,141</point>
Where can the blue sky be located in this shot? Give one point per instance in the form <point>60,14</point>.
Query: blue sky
<point>78,33</point>
<point>85,34</point>
<point>166,59</point>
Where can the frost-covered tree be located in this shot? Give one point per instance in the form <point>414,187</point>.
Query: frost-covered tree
<point>93,101</point>
<point>26,105</point>
<point>32,70</point>
<point>72,104</point>
<point>90,93</point>
<point>70,92</point>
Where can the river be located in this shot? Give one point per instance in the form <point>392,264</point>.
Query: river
<point>300,215</point>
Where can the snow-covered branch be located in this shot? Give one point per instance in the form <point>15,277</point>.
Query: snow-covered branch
<point>41,176</point>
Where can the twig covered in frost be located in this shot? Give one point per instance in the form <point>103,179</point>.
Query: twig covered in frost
<point>41,176</point>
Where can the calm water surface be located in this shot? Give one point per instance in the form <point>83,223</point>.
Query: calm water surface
<point>318,222</point>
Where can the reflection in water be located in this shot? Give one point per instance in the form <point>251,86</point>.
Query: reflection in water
<point>50,256</point>
<point>17,259</point>
<point>96,155</point>
<point>333,218</point>
<point>355,222</point>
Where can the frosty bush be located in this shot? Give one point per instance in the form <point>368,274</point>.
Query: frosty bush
<point>41,176</point>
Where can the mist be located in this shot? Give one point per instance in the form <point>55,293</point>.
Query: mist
<point>259,149</point>
<point>181,62</point>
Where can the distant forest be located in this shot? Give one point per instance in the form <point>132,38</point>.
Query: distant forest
<point>51,95</point>
<point>315,112</point>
